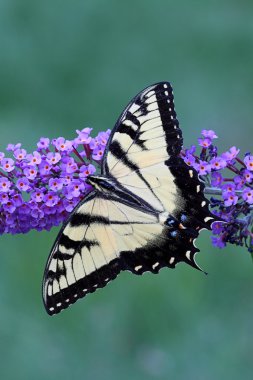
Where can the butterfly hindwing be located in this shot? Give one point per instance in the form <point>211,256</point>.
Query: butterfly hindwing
<point>102,237</point>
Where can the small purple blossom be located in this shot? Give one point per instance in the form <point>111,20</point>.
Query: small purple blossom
<point>230,199</point>
<point>45,168</point>
<point>218,241</point>
<point>98,153</point>
<point>247,195</point>
<point>216,179</point>
<point>3,198</point>
<point>23,184</point>
<point>63,145</point>
<point>5,185</point>
<point>37,195</point>
<point>53,158</point>
<point>86,170</point>
<point>69,165</point>
<point>248,176</point>
<point>203,167</point>
<point>55,184</point>
<point>43,143</point>
<point>9,206</point>
<point>12,147</point>
<point>7,164</point>
<point>83,136</point>
<point>205,143</point>
<point>248,160</point>
<point>30,172</point>
<point>239,181</point>
<point>19,154</point>
<point>228,188</point>
<point>209,133</point>
<point>217,228</point>
<point>51,199</point>
<point>231,154</point>
<point>218,163</point>
<point>34,159</point>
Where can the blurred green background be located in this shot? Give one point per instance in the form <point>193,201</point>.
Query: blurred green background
<point>70,64</point>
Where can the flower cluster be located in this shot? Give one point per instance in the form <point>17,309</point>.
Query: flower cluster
<point>38,190</point>
<point>229,181</point>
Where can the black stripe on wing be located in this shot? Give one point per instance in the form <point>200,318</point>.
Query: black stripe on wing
<point>129,123</point>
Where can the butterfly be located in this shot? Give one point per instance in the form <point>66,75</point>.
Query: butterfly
<point>145,212</point>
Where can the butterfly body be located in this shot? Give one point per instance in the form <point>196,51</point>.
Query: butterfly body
<point>145,212</point>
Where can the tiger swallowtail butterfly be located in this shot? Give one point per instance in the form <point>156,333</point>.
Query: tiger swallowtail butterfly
<point>145,211</point>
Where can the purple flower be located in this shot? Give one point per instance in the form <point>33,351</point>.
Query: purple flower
<point>7,164</point>
<point>248,160</point>
<point>50,199</point>
<point>203,167</point>
<point>230,199</point>
<point>97,153</point>
<point>189,160</point>
<point>228,188</point>
<point>66,178</point>
<point>37,195</point>
<point>43,143</point>
<point>247,175</point>
<point>69,204</point>
<point>19,154</point>
<point>4,198</point>
<point>83,136</point>
<point>217,228</point>
<point>30,173</point>
<point>218,241</point>
<point>63,145</point>
<point>45,168</point>
<point>218,163</point>
<point>231,154</point>
<point>5,185</point>
<point>12,147</point>
<point>216,179</point>
<point>9,206</point>
<point>17,199</point>
<point>239,181</point>
<point>205,143</point>
<point>209,133</point>
<point>86,170</point>
<point>102,138</point>
<point>55,184</point>
<point>69,165</point>
<point>73,189</point>
<point>23,184</point>
<point>34,159</point>
<point>53,158</point>
<point>247,195</point>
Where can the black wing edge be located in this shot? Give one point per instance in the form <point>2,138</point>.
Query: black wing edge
<point>166,114</point>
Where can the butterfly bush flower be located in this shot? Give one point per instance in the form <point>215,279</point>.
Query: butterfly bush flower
<point>229,182</point>
<point>38,190</point>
